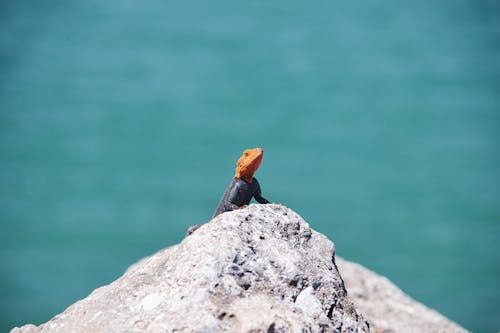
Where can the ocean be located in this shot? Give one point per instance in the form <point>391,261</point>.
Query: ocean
<point>120,126</point>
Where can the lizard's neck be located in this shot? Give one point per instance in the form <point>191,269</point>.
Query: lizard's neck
<point>243,177</point>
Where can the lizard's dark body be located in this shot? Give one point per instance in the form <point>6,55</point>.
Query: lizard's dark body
<point>239,193</point>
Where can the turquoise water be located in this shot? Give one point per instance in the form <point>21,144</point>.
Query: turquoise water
<point>120,124</point>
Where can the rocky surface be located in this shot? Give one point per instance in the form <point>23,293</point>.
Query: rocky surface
<point>258,269</point>
<point>386,307</point>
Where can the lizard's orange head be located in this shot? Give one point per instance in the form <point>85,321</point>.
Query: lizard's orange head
<point>248,163</point>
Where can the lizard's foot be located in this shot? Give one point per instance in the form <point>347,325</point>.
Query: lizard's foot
<point>192,229</point>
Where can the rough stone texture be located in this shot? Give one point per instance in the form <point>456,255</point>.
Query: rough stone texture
<point>258,269</point>
<point>386,307</point>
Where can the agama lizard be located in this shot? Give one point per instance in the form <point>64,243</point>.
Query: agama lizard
<point>243,186</point>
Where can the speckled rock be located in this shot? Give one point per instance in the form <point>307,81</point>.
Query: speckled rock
<point>257,269</point>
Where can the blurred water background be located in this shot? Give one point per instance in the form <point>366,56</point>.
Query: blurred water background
<point>121,122</point>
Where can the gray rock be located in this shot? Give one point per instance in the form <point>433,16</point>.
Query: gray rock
<point>387,308</point>
<point>258,269</point>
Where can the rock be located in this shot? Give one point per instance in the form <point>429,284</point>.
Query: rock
<point>387,308</point>
<point>257,269</point>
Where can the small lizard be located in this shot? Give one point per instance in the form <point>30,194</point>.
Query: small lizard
<point>243,186</point>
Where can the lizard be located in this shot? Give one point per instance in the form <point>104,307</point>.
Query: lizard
<point>244,186</point>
